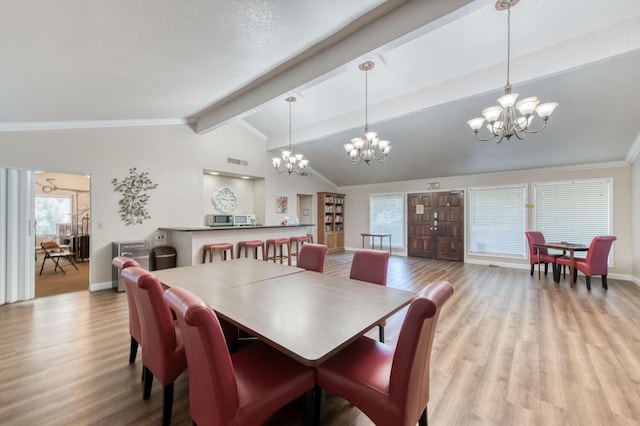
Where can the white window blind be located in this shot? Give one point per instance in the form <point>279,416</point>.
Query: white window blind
<point>387,216</point>
<point>573,211</point>
<point>497,220</point>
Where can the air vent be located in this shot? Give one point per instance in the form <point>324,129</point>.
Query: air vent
<point>237,162</point>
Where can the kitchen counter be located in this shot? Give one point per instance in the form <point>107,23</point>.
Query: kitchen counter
<point>229,228</point>
<point>190,240</point>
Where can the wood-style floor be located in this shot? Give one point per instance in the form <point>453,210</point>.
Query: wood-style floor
<point>510,350</point>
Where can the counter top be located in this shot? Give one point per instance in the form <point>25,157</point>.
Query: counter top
<point>229,228</point>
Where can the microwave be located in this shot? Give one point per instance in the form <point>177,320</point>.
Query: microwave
<point>219,220</point>
<point>244,219</point>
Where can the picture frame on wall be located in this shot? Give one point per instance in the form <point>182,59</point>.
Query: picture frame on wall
<point>281,204</point>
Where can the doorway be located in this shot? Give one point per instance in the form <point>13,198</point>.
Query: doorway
<point>304,211</point>
<point>62,212</point>
<point>435,224</point>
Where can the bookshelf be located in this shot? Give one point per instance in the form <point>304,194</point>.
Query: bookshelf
<point>331,217</point>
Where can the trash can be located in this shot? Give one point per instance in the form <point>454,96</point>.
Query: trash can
<point>163,257</point>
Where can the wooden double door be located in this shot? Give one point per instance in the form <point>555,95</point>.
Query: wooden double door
<point>436,225</point>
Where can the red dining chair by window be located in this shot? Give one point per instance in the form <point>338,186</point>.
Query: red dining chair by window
<point>243,388</point>
<point>595,263</point>
<point>535,237</point>
<point>389,385</point>
<point>312,257</point>
<point>371,266</point>
<point>163,351</point>
<point>120,263</point>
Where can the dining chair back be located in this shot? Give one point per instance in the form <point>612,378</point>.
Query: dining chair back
<point>391,386</point>
<point>120,263</point>
<point>536,237</point>
<point>312,257</point>
<point>596,261</point>
<point>371,266</point>
<point>163,353</point>
<point>243,388</point>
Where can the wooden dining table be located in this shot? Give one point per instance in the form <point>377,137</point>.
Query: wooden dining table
<point>306,315</point>
<point>564,247</point>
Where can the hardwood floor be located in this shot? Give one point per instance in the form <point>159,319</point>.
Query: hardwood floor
<point>510,350</point>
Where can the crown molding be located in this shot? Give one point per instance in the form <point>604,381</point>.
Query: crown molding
<point>634,150</point>
<point>64,125</point>
<point>555,169</point>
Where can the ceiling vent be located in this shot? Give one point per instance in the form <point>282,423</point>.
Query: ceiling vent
<point>237,162</point>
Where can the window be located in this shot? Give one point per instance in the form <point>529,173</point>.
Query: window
<point>51,211</point>
<point>497,221</point>
<point>573,211</point>
<point>387,216</point>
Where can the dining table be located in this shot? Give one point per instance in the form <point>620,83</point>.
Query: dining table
<point>564,247</point>
<point>308,316</point>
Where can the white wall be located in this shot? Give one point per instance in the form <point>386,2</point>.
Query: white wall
<point>635,215</point>
<point>174,157</point>
<point>357,205</point>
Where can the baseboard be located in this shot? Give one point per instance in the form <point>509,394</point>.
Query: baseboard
<point>100,286</point>
<point>394,251</point>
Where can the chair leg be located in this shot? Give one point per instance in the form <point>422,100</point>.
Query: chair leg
<point>423,419</point>
<point>148,381</point>
<point>588,280</point>
<point>318,402</point>
<point>546,269</point>
<point>167,404</point>
<point>604,282</point>
<point>381,333</point>
<point>133,351</point>
<point>533,265</point>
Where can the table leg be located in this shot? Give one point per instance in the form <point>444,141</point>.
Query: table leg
<point>363,241</point>
<point>389,245</point>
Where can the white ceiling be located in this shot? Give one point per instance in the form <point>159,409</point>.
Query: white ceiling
<point>438,64</point>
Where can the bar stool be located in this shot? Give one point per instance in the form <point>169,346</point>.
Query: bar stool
<point>298,241</point>
<point>254,244</point>
<point>219,247</point>
<point>278,243</point>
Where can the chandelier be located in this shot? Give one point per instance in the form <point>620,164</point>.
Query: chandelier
<point>370,147</point>
<point>503,121</point>
<point>290,162</point>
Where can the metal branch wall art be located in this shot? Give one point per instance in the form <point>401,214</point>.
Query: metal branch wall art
<point>134,197</point>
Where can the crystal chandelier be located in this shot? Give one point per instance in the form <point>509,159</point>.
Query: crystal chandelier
<point>503,121</point>
<point>370,147</point>
<point>290,162</point>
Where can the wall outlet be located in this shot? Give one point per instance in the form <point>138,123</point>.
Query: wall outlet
<point>161,237</point>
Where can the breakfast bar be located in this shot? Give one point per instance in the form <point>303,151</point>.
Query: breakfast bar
<point>189,241</point>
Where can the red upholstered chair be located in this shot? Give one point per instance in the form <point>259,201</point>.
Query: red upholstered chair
<point>535,237</point>
<point>371,266</point>
<point>312,257</point>
<point>595,263</point>
<point>120,263</point>
<point>244,388</point>
<point>163,351</point>
<point>390,386</point>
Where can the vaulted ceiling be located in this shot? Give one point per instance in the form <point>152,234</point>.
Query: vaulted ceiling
<point>438,64</point>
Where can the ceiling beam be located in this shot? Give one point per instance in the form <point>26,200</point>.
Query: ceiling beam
<point>387,26</point>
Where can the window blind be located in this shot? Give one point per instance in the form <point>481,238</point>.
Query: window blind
<point>497,220</point>
<point>387,216</point>
<point>573,211</point>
